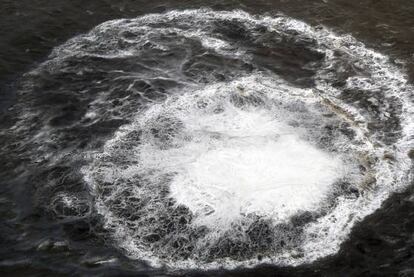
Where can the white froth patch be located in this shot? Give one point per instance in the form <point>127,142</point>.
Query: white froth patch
<point>256,166</point>
<point>229,162</point>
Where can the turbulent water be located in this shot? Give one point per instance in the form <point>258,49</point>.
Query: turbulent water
<point>202,140</point>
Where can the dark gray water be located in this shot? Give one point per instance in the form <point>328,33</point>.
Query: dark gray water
<point>62,106</point>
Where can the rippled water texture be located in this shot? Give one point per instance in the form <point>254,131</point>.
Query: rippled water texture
<point>210,139</point>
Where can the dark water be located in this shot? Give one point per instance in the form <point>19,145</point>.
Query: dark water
<point>42,236</point>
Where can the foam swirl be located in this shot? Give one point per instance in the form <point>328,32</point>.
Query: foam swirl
<point>246,139</point>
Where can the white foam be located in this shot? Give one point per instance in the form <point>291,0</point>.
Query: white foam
<point>272,179</point>
<point>243,162</point>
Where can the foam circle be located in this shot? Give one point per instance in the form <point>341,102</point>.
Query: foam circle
<point>248,139</point>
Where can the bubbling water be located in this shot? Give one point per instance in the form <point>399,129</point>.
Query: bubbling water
<point>228,155</point>
<point>244,137</point>
<point>231,161</point>
<point>222,185</point>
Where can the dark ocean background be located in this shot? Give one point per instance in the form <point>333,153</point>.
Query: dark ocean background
<point>382,244</point>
